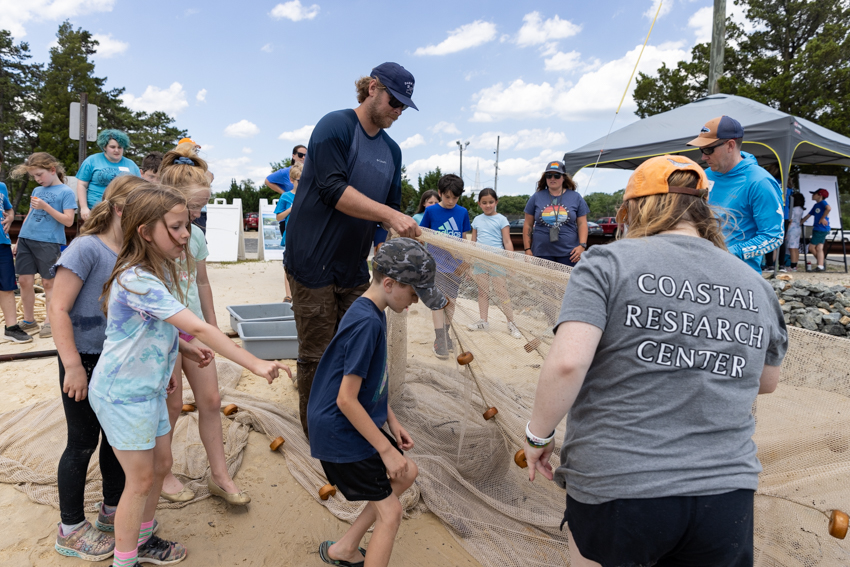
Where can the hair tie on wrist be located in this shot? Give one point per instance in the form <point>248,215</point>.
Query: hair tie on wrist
<point>184,161</point>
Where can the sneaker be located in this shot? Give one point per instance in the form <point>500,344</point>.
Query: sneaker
<point>440,349</point>
<point>17,335</point>
<point>45,332</point>
<point>85,542</point>
<point>512,329</point>
<point>819,269</point>
<point>792,269</point>
<point>783,269</point>
<point>481,325</point>
<point>28,327</point>
<point>161,552</point>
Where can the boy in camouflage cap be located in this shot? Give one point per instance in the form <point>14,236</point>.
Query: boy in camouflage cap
<point>348,403</point>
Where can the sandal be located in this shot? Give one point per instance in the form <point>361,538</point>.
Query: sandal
<point>287,299</point>
<point>323,553</point>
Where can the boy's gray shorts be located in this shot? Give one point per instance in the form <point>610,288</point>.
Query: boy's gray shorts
<point>34,257</point>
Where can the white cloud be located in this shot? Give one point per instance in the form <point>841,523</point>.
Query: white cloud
<point>247,150</point>
<point>469,35</point>
<point>527,170</point>
<point>242,129</point>
<point>520,140</point>
<point>595,94</point>
<point>563,61</point>
<point>445,127</point>
<point>701,22</point>
<point>412,142</point>
<point>294,11</point>
<point>652,10</point>
<point>299,136</point>
<point>268,48</point>
<point>109,46</point>
<point>171,100</point>
<point>14,14</point>
<point>201,96</point>
<point>535,30</point>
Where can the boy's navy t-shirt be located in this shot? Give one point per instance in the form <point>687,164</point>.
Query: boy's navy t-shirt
<point>360,348</point>
<point>329,246</point>
<point>818,211</point>
<point>451,222</point>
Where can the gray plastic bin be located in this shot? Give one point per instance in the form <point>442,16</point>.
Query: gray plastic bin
<point>259,312</point>
<point>269,340</point>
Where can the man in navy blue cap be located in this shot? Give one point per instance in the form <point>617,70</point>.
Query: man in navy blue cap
<point>743,191</point>
<point>351,182</point>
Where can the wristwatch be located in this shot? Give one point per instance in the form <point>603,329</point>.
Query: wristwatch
<point>583,245</point>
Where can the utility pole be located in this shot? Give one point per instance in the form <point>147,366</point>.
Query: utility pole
<point>84,120</point>
<point>496,181</point>
<point>718,44</point>
<point>462,147</point>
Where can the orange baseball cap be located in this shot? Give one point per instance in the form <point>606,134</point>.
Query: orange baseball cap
<point>650,178</point>
<point>720,128</point>
<point>188,141</point>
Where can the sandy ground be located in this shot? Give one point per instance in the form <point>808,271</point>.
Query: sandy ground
<point>283,525</point>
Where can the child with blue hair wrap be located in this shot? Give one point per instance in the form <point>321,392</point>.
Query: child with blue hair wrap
<point>98,170</point>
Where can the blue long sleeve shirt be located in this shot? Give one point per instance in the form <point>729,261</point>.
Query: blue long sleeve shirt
<point>748,198</point>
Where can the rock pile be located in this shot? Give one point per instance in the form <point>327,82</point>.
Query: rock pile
<point>814,306</point>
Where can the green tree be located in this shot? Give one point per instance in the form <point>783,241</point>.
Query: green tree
<point>154,132</point>
<point>513,205</point>
<point>249,193</point>
<point>409,196</point>
<point>282,164</point>
<point>429,181</point>
<point>603,204</point>
<point>19,108</point>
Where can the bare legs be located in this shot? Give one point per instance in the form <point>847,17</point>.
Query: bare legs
<point>386,515</point>
<point>8,308</point>
<point>500,289</point>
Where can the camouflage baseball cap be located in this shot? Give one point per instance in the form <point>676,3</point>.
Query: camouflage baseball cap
<point>406,261</point>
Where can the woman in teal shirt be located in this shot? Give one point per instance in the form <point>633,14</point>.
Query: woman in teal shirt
<point>98,170</point>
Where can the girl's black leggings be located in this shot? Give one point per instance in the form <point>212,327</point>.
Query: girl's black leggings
<point>84,431</point>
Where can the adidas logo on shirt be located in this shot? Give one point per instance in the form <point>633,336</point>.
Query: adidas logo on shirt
<point>450,227</point>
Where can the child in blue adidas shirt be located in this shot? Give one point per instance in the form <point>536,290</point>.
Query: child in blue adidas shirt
<point>452,220</point>
<point>348,404</point>
<point>821,227</point>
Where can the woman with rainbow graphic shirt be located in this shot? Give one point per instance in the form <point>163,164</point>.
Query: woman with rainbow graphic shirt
<point>556,218</point>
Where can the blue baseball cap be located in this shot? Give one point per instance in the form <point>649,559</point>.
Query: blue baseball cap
<point>556,167</point>
<point>398,80</point>
<point>720,128</point>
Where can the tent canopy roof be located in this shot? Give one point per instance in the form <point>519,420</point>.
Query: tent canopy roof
<point>769,134</point>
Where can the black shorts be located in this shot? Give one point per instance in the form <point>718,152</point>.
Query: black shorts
<point>362,480</point>
<point>7,269</point>
<point>449,284</point>
<point>35,257</point>
<point>680,531</point>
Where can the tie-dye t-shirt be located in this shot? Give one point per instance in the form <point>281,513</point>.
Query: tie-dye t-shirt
<point>140,348</point>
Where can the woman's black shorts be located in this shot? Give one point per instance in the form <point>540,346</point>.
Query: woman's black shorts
<point>362,480</point>
<point>680,531</point>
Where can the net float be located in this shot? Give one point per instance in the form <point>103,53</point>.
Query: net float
<point>838,524</point>
<point>532,345</point>
<point>519,459</point>
<point>231,409</point>
<point>464,358</point>
<point>188,408</point>
<point>327,491</point>
<point>275,445</point>
<point>490,413</point>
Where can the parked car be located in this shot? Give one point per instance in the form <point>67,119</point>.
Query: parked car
<point>608,225</point>
<point>516,226</point>
<point>594,229</point>
<point>252,221</point>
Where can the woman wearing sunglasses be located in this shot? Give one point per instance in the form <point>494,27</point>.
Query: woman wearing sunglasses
<point>556,218</point>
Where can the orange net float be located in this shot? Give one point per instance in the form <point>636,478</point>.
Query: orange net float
<point>838,521</point>
<point>188,408</point>
<point>230,409</point>
<point>465,358</point>
<point>327,491</point>
<point>531,345</point>
<point>275,445</point>
<point>519,459</point>
<point>490,414</point>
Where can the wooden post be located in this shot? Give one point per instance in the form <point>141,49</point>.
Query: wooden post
<point>718,43</point>
<point>84,119</point>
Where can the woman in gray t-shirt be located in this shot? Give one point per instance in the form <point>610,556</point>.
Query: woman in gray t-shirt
<point>665,340</point>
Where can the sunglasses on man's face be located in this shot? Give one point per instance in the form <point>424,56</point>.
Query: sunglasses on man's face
<point>708,150</point>
<point>553,176</point>
<point>394,102</point>
<point>302,155</point>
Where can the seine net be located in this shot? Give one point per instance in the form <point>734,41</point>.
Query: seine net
<point>468,477</point>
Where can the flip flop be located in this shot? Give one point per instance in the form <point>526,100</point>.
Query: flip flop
<point>323,553</point>
<point>287,299</point>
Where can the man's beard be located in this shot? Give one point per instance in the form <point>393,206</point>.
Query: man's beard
<point>380,120</point>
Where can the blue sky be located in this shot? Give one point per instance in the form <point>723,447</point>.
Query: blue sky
<point>248,80</point>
